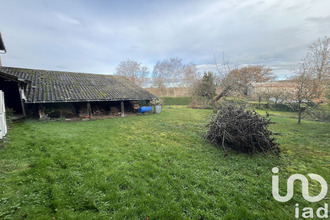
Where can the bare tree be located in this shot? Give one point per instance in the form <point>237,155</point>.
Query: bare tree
<point>190,75</point>
<point>232,78</point>
<point>223,69</point>
<point>276,94</point>
<point>176,71</point>
<point>313,74</point>
<point>168,73</point>
<point>134,71</point>
<point>259,95</point>
<point>160,77</point>
<point>245,76</point>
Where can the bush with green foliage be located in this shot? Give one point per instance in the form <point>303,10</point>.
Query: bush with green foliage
<point>318,113</point>
<point>277,107</point>
<point>234,100</point>
<point>203,92</point>
<point>242,130</point>
<point>206,87</point>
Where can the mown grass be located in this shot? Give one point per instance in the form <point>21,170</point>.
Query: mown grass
<point>156,166</point>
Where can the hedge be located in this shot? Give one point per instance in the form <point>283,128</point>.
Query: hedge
<point>272,106</point>
<point>182,100</point>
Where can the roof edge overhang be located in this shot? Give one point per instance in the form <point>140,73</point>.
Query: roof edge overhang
<point>13,78</point>
<point>91,100</point>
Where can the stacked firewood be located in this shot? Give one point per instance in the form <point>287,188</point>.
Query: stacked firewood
<point>135,105</point>
<point>97,112</point>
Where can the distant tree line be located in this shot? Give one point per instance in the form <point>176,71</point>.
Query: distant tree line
<point>310,82</point>
<point>167,73</point>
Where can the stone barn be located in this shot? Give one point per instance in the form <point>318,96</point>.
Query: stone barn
<point>46,93</point>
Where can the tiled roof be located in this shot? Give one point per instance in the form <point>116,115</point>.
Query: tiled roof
<point>54,86</point>
<point>13,78</point>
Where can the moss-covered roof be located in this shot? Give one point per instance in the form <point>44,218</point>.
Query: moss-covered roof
<point>48,86</point>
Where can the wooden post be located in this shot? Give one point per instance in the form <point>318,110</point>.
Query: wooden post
<point>122,109</point>
<point>42,114</point>
<point>23,108</point>
<point>21,95</point>
<point>89,110</point>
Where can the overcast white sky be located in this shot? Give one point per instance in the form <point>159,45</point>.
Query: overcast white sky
<point>94,36</point>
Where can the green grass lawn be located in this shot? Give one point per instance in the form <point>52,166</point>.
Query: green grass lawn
<point>153,165</point>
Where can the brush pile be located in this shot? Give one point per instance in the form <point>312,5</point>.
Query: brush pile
<point>242,130</point>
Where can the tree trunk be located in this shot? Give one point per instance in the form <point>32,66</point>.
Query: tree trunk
<point>214,101</point>
<point>214,107</point>
<point>299,113</point>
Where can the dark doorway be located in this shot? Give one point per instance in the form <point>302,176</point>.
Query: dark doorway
<point>12,97</point>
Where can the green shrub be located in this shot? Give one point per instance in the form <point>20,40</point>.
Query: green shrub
<point>200,102</point>
<point>318,113</point>
<point>273,106</point>
<point>235,100</point>
<point>283,107</point>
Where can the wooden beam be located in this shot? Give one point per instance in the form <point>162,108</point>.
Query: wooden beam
<point>23,109</point>
<point>122,106</point>
<point>89,110</point>
<point>21,96</point>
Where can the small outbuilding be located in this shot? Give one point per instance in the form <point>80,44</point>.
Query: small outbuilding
<point>58,93</point>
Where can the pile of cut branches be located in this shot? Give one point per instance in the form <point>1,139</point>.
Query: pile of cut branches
<point>241,130</point>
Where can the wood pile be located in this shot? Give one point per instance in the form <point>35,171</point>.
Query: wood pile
<point>241,130</point>
<point>135,105</point>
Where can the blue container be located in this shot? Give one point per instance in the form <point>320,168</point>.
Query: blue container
<point>145,109</point>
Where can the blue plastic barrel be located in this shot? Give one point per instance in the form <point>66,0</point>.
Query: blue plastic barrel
<point>145,109</point>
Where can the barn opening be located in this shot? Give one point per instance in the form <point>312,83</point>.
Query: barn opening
<point>12,96</point>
